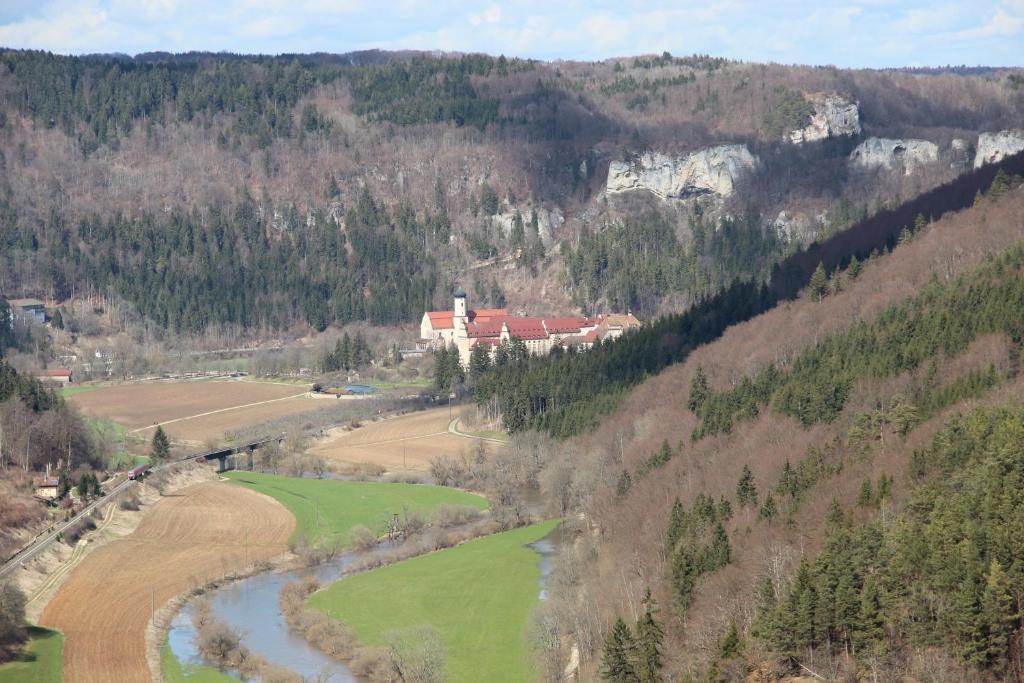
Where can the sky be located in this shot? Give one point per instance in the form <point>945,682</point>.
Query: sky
<point>870,33</point>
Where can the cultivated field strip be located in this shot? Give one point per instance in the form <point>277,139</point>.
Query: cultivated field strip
<point>408,442</point>
<point>185,540</point>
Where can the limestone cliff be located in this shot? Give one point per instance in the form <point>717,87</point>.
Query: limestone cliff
<point>992,147</point>
<point>709,171</point>
<point>893,154</point>
<point>833,116</point>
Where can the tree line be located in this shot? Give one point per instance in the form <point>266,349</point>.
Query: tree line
<point>941,321</point>
<point>95,101</point>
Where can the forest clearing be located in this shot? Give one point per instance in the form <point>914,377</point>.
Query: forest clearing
<point>184,541</point>
<point>405,443</point>
<point>192,411</point>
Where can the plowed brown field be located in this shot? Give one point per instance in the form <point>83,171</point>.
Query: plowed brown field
<point>401,443</point>
<point>193,411</point>
<point>185,540</point>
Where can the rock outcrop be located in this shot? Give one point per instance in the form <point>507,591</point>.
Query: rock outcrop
<point>709,171</point>
<point>548,222</point>
<point>834,116</point>
<point>893,154</point>
<point>992,147</point>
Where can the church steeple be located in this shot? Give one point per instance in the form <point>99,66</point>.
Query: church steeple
<point>460,308</point>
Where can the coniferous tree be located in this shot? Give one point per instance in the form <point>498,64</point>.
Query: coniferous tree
<point>768,509</point>
<point>676,526</point>
<point>746,489</point>
<point>731,645</point>
<point>699,390</point>
<point>617,661</point>
<point>160,449</point>
<point>998,614</point>
<point>649,638</point>
<point>766,624</point>
<point>853,270</point>
<point>818,284</point>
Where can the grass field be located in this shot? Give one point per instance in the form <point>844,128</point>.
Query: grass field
<point>174,672</point>
<point>478,595</point>
<point>76,389</point>
<point>40,662</point>
<point>324,507</point>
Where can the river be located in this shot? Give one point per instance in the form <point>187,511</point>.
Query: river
<point>251,607</point>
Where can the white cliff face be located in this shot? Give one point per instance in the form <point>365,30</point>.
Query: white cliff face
<point>833,116</point>
<point>709,171</point>
<point>893,154</point>
<point>548,222</point>
<point>992,147</point>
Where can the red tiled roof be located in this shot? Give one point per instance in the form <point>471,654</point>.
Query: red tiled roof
<point>490,328</point>
<point>564,325</point>
<point>56,372</point>
<point>484,315</point>
<point>527,329</point>
<point>441,320</point>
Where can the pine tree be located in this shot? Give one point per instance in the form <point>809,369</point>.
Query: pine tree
<point>649,639</point>
<point>676,526</point>
<point>866,495</point>
<point>724,509</point>
<point>920,223</point>
<point>998,614</point>
<point>768,510</point>
<point>617,662</point>
<point>699,390</point>
<point>731,645</point>
<point>818,284</point>
<point>719,553</point>
<point>766,624</point>
<point>160,449</point>
<point>746,489</point>
<point>853,270</point>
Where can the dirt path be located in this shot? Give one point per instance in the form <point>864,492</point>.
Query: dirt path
<point>185,540</point>
<point>215,412</point>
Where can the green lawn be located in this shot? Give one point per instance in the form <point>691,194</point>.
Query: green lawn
<point>174,672</point>
<point>41,662</point>
<point>325,507</point>
<point>73,389</point>
<point>478,595</point>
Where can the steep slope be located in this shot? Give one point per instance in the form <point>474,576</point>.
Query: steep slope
<point>488,171</point>
<point>626,474</point>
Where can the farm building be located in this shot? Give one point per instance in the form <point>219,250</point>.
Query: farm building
<point>46,486</point>
<point>30,308</point>
<point>61,376</point>
<point>464,328</point>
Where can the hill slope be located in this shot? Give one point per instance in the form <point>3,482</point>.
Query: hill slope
<point>804,482</point>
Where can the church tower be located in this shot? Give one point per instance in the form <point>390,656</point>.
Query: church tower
<point>460,305</point>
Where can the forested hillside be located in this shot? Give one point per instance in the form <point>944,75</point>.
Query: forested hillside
<point>308,190</point>
<point>829,488</point>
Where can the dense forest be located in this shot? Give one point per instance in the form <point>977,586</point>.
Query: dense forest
<point>946,572</point>
<point>565,393</point>
<point>187,271</point>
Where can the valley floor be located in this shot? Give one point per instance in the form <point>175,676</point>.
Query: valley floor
<point>477,595</point>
